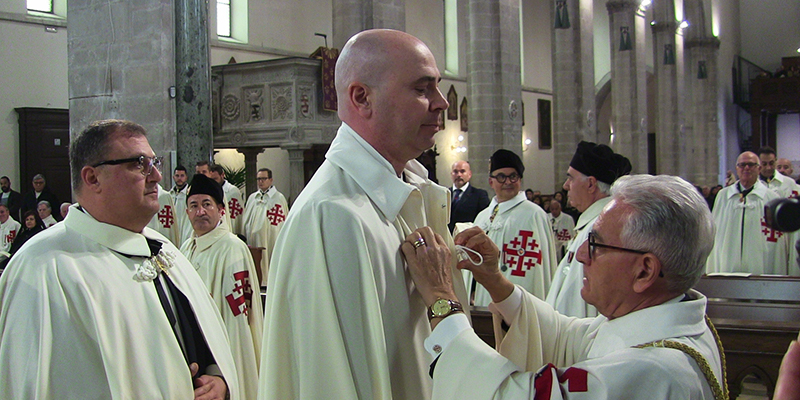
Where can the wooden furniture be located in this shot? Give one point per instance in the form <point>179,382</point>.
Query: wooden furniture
<point>756,318</point>
<point>482,324</point>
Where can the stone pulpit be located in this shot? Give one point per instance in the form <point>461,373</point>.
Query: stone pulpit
<point>273,103</point>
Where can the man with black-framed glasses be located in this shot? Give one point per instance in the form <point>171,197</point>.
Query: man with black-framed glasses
<point>100,306</point>
<point>743,242</point>
<point>650,341</point>
<point>518,227</point>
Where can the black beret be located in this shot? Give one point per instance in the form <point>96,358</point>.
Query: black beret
<point>506,159</point>
<point>599,161</point>
<point>202,184</point>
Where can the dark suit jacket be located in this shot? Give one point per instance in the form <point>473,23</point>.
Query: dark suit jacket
<point>471,202</point>
<point>14,204</point>
<point>30,202</point>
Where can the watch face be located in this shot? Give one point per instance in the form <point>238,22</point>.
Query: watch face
<point>441,307</point>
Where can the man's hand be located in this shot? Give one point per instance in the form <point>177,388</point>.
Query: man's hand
<point>429,265</point>
<point>788,385</point>
<point>488,273</point>
<point>208,387</point>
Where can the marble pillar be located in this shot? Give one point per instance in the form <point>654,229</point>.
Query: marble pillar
<point>353,16</point>
<point>192,82</point>
<point>494,86</point>
<point>701,113</point>
<point>574,114</point>
<point>296,169</point>
<point>250,167</point>
<point>628,82</point>
<point>669,128</point>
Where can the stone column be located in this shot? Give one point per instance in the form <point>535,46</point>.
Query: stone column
<point>701,113</point>
<point>192,81</point>
<point>628,82</point>
<point>118,69</point>
<point>574,114</point>
<point>296,169</point>
<point>250,167</point>
<point>669,135</point>
<point>353,16</point>
<point>494,86</point>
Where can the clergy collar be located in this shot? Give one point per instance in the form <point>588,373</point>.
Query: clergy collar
<point>211,237</point>
<point>113,237</point>
<point>373,173</point>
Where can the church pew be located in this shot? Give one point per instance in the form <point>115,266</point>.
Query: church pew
<point>756,318</point>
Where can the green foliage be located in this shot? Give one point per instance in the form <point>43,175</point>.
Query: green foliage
<point>235,176</point>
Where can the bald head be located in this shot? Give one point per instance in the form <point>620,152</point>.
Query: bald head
<point>460,173</point>
<point>784,166</point>
<point>747,168</point>
<point>555,208</point>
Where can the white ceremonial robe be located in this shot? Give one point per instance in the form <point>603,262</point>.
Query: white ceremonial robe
<point>528,255</point>
<point>263,219</point>
<point>76,324</point>
<point>226,266</point>
<point>49,221</point>
<point>164,222</point>
<point>783,185</point>
<point>185,230</point>
<point>743,242</point>
<point>546,355</point>
<point>565,291</point>
<point>563,231</point>
<point>343,318</point>
<point>234,205</point>
<point>8,232</point>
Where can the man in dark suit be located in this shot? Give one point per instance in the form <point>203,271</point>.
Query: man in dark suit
<point>468,200</point>
<point>31,199</point>
<point>10,198</point>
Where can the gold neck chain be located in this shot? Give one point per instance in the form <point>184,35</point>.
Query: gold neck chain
<point>720,391</point>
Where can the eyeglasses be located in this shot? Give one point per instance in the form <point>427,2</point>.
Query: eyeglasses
<point>744,165</point>
<point>503,177</point>
<point>146,164</point>
<point>262,179</point>
<point>593,245</point>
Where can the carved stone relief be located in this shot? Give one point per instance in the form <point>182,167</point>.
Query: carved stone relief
<point>230,107</point>
<point>306,99</point>
<point>282,103</point>
<point>255,103</point>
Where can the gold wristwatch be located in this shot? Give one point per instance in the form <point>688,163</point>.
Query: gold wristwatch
<point>442,308</point>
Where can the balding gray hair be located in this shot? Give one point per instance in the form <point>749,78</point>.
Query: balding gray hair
<point>670,220</point>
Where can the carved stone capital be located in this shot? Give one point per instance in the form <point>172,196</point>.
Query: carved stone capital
<point>707,42</point>
<point>618,6</point>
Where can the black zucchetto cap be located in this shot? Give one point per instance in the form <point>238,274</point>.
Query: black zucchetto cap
<point>202,184</point>
<point>599,161</point>
<point>506,159</point>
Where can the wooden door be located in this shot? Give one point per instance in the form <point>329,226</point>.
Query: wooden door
<point>44,149</point>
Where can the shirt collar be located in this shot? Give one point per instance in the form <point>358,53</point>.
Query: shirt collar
<point>211,237</point>
<point>463,188</point>
<point>373,173</point>
<point>113,237</point>
<point>759,189</point>
<point>508,204</point>
<point>592,212</point>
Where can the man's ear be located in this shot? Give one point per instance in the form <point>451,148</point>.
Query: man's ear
<point>647,273</point>
<point>359,96</point>
<point>90,179</point>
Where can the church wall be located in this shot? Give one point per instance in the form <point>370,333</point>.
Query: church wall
<point>34,75</point>
<point>726,14</point>
<point>765,47</point>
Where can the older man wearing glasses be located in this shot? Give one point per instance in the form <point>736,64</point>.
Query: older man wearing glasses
<point>651,341</point>
<point>743,242</point>
<point>101,307</point>
<point>519,228</point>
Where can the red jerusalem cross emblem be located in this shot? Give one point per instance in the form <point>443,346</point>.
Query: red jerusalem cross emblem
<point>563,235</point>
<point>11,235</point>
<point>235,207</point>
<point>522,253</point>
<point>771,234</point>
<point>165,217</point>
<point>241,286</point>
<point>276,215</point>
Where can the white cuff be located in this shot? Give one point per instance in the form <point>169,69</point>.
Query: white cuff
<point>445,332</point>
<point>508,308</point>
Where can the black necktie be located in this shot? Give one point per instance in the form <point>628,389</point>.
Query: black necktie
<point>456,195</point>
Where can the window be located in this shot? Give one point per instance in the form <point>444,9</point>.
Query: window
<point>223,18</point>
<point>45,6</point>
<point>451,36</point>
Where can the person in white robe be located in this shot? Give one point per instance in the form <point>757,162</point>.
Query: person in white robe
<point>226,267</point>
<point>518,227</point>
<point>563,228</point>
<point>233,199</point>
<point>263,218</point>
<point>744,242</point>
<point>178,193</point>
<point>102,307</point>
<point>165,220</point>
<point>592,170</point>
<point>651,341</point>
<point>45,211</point>
<point>343,319</point>
<point>783,185</point>
<point>207,169</point>
<point>8,231</point>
